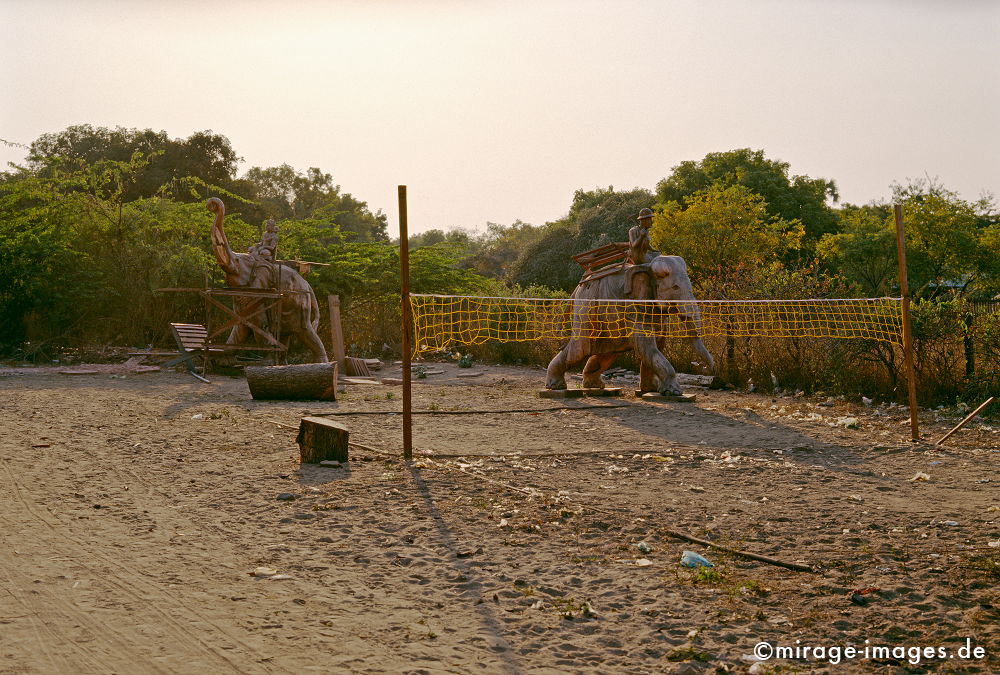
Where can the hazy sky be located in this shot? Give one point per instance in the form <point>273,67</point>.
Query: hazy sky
<point>496,111</point>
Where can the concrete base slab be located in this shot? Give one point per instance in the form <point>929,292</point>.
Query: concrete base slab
<point>656,396</point>
<point>578,393</point>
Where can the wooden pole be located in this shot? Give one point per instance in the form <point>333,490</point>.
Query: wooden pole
<point>965,421</point>
<point>904,294</point>
<point>404,280</point>
<point>337,333</point>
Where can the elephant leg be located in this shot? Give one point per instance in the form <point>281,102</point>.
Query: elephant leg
<point>654,364</point>
<point>312,342</point>
<point>596,365</point>
<point>647,378</point>
<point>574,352</point>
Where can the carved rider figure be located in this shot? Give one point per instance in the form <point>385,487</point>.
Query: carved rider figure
<point>639,251</point>
<point>268,243</point>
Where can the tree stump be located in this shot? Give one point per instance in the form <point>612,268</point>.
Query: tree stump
<point>305,382</point>
<point>321,439</point>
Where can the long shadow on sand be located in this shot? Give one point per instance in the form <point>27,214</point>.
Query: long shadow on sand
<point>693,426</point>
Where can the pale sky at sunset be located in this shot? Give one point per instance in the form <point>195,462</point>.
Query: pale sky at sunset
<point>496,111</point>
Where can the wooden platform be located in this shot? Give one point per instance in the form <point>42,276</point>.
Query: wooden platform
<point>578,393</point>
<point>657,396</point>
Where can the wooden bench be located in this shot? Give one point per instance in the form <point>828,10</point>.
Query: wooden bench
<point>190,339</point>
<point>603,260</point>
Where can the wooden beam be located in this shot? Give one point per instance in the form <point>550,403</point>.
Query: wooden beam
<point>904,294</point>
<point>404,282</point>
<point>965,421</point>
<point>337,333</point>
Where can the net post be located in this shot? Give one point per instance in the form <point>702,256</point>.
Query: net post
<point>904,293</point>
<point>404,281</point>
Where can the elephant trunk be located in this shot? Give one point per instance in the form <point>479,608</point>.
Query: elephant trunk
<point>220,243</point>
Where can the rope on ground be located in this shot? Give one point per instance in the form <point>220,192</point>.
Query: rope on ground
<point>334,413</point>
<point>743,554</point>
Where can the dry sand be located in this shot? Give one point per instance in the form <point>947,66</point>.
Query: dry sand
<point>134,509</point>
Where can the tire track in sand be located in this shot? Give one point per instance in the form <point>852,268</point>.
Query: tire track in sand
<point>175,631</point>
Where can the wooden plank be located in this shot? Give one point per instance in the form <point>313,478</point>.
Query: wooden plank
<point>657,396</point>
<point>337,332</point>
<point>578,393</point>
<point>357,367</point>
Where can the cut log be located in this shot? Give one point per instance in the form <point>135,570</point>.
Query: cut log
<point>321,439</point>
<point>305,382</point>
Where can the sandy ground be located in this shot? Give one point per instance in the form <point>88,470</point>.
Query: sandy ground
<point>135,507</point>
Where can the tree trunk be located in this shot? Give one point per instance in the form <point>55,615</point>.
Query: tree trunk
<point>321,439</point>
<point>306,382</point>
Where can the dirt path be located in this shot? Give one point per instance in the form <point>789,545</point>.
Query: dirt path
<point>134,510</point>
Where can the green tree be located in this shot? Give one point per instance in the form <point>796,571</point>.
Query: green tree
<point>787,197</point>
<point>864,251</point>
<point>499,248</point>
<point>595,218</point>
<point>283,193</point>
<point>723,227</point>
<point>951,243</point>
<point>204,155</point>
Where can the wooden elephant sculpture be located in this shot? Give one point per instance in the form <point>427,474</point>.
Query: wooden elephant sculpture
<point>665,277</point>
<point>298,312</point>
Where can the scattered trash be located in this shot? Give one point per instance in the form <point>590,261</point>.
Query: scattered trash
<point>858,597</point>
<point>692,559</point>
<point>199,416</point>
<point>921,476</point>
<point>264,572</point>
<point>644,547</point>
<point>949,523</point>
<point>848,422</point>
<point>867,402</point>
<point>465,361</point>
<point>643,562</point>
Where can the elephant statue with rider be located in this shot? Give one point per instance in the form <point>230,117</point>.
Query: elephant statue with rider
<point>298,310</point>
<point>657,278</point>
